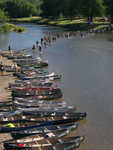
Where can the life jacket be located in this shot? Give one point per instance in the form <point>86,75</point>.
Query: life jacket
<point>11,125</point>
<point>21,145</point>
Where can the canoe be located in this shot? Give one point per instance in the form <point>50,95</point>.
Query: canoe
<point>28,68</point>
<point>22,76</point>
<point>41,133</point>
<point>44,94</point>
<point>30,125</point>
<point>35,105</point>
<point>22,83</point>
<point>33,102</point>
<point>47,109</point>
<point>20,119</point>
<point>41,106</point>
<point>28,61</point>
<point>9,68</point>
<point>49,135</point>
<point>19,56</point>
<point>38,72</point>
<point>49,143</point>
<point>6,107</point>
<point>31,115</point>
<point>34,88</point>
<point>34,65</point>
<point>20,134</point>
<point>57,114</point>
<point>66,146</point>
<point>3,104</point>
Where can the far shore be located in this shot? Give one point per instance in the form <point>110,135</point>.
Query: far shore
<point>71,24</point>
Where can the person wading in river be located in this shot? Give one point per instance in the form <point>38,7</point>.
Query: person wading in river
<point>40,50</point>
<point>41,41</point>
<point>37,43</point>
<point>33,48</point>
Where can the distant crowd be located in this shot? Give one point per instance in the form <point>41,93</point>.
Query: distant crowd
<point>51,37</point>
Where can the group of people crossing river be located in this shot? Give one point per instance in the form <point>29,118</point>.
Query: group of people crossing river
<point>51,37</point>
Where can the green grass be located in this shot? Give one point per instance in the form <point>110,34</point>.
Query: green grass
<point>26,19</point>
<point>74,24</point>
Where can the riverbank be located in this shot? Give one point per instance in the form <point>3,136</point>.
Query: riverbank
<point>74,24</point>
<point>4,93</point>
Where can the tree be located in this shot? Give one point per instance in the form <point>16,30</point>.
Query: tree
<point>92,8</point>
<point>37,4</point>
<point>109,7</point>
<point>20,8</point>
<point>71,7</point>
<point>51,8</point>
<point>54,8</point>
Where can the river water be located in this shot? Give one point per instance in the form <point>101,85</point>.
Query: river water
<point>87,68</point>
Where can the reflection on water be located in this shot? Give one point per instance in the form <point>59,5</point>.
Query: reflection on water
<point>87,66</point>
<point>4,39</point>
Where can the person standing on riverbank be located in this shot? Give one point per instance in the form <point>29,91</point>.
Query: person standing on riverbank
<point>10,50</point>
<point>1,68</point>
<point>0,57</point>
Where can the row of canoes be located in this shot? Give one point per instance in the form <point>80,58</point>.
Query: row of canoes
<point>36,117</point>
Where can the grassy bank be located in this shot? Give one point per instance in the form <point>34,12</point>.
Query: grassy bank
<point>7,27</point>
<point>74,24</point>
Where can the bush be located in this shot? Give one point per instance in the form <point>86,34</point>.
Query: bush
<point>3,16</point>
<point>11,27</point>
<point>5,28</point>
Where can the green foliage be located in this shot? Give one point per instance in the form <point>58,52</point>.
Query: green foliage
<point>55,8</point>
<point>20,8</point>
<point>109,7</point>
<point>51,8</point>
<point>4,28</point>
<point>7,27</point>
<point>92,8</point>
<point>71,8</point>
<point>37,4</point>
<point>3,16</point>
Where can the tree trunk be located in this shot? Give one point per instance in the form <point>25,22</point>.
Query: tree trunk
<point>90,19</point>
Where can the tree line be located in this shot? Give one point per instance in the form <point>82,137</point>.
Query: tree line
<point>55,8</point>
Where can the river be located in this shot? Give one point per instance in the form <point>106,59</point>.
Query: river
<point>87,68</point>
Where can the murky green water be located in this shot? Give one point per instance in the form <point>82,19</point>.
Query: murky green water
<point>87,66</point>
